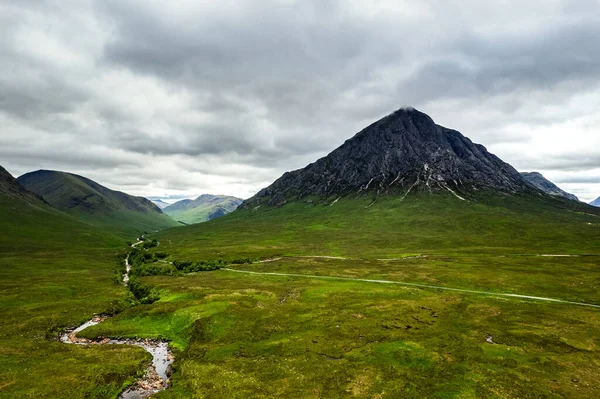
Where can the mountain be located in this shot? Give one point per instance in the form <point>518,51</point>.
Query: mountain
<point>596,202</point>
<point>205,207</point>
<point>94,203</point>
<point>434,190</point>
<point>541,183</point>
<point>401,153</point>
<point>159,203</point>
<point>10,188</point>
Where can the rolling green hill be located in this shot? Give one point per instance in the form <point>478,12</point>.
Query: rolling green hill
<point>205,207</point>
<point>96,204</point>
<point>393,226</point>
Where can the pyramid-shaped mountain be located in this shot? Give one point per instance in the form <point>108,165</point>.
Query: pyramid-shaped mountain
<point>401,153</point>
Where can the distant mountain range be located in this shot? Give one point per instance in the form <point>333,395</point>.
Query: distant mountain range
<point>541,183</point>
<point>595,202</point>
<point>94,203</point>
<point>159,203</point>
<point>205,207</point>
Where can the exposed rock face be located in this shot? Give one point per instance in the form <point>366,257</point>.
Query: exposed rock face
<point>541,183</point>
<point>403,152</point>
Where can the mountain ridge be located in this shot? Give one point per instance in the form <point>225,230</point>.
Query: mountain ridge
<point>159,203</point>
<point>205,207</point>
<point>545,185</point>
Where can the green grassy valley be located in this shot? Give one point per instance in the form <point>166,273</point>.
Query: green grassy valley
<point>305,322</point>
<point>205,207</point>
<point>395,226</point>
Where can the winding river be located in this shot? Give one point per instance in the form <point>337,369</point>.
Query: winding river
<point>156,377</point>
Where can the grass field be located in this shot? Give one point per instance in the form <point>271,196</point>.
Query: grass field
<point>239,335</point>
<point>392,227</point>
<point>242,335</point>
<point>56,272</point>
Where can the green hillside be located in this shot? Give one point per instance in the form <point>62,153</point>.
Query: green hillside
<point>96,204</point>
<point>393,225</point>
<point>55,272</point>
<point>205,207</point>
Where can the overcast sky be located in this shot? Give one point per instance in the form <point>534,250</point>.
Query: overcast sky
<point>177,98</point>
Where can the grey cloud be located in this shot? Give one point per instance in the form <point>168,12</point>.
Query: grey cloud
<point>476,66</point>
<point>230,95</point>
<point>579,179</point>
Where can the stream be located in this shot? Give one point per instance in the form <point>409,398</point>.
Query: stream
<point>156,377</point>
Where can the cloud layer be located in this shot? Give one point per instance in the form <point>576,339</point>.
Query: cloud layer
<point>155,97</point>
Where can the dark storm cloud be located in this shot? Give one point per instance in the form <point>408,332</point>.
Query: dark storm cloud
<point>229,95</point>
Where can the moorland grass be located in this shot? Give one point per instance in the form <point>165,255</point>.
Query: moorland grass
<point>56,272</point>
<point>255,336</point>
<point>240,335</point>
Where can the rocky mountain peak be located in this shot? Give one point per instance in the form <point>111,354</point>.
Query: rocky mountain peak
<point>403,152</point>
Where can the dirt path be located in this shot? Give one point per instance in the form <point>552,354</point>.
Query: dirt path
<point>435,287</point>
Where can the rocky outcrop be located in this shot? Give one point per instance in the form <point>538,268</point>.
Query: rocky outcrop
<point>401,153</point>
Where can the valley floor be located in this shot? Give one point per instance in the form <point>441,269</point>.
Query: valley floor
<point>241,335</point>
<point>279,333</point>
